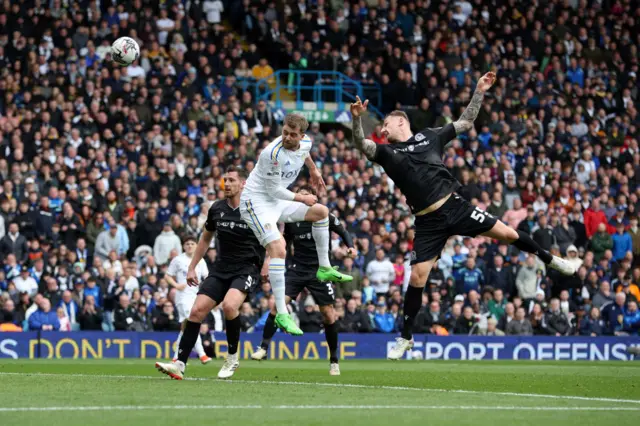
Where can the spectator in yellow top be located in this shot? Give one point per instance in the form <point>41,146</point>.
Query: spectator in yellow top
<point>263,70</point>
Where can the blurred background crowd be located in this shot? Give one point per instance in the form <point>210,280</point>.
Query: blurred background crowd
<point>103,169</point>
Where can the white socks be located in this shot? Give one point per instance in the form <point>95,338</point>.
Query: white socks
<point>198,347</point>
<point>320,232</point>
<point>276,276</point>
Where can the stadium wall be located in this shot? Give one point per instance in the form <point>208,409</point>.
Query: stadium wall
<point>97,345</point>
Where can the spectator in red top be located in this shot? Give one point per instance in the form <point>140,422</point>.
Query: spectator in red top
<point>377,136</point>
<point>594,217</point>
<point>398,267</point>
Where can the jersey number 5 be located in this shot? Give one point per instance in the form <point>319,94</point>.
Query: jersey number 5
<point>478,215</point>
<point>247,284</point>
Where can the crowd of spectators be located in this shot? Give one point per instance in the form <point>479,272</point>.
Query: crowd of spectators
<point>104,168</point>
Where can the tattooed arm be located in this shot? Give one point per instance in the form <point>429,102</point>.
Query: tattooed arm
<point>368,147</point>
<point>465,122</point>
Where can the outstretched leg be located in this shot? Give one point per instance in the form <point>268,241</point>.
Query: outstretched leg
<point>524,242</point>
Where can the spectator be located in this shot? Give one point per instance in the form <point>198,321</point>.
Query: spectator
<point>124,314</point>
<point>492,329</point>
<point>165,243</point>
<point>527,279</point>
<point>310,318</point>
<point>166,320</point>
<point>603,296</point>
<point>44,318</point>
<point>593,325</point>
<point>355,320</point>
<point>65,324</point>
<point>381,273</point>
<point>470,277</point>
<point>345,289</point>
<point>90,318</point>
<point>69,308</point>
<point>497,305</point>
<point>631,324</point>
<point>14,243</point>
<point>593,218</point>
<point>565,234</point>
<point>613,314</point>
<point>556,321</point>
<point>107,242</point>
<point>520,325</point>
<point>25,283</point>
<point>501,277</point>
<point>622,243</point>
<point>384,321</point>
<point>247,318</point>
<point>465,323</point>
<point>8,313</point>
<point>601,242</point>
<point>543,234</point>
<point>142,320</point>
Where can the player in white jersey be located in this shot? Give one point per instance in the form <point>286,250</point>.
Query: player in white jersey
<point>265,201</point>
<point>185,294</point>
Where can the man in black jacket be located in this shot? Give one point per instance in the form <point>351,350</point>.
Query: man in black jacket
<point>544,235</point>
<point>15,243</point>
<point>90,318</point>
<point>124,315</point>
<point>556,322</point>
<point>500,277</point>
<point>355,320</point>
<point>428,318</point>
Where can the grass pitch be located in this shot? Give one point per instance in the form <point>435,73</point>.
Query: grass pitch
<point>132,392</point>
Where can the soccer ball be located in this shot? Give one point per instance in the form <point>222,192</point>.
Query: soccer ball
<point>124,51</point>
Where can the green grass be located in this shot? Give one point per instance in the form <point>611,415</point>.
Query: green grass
<point>302,393</point>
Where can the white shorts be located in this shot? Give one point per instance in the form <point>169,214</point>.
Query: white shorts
<point>183,306</point>
<point>262,215</point>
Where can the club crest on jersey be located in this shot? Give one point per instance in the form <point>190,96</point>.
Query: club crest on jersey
<point>411,148</point>
<point>232,225</point>
<point>221,214</point>
<point>419,137</point>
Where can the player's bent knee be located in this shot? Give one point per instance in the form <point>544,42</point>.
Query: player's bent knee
<point>277,249</point>
<point>230,311</point>
<point>328,314</point>
<point>316,213</point>
<point>200,309</point>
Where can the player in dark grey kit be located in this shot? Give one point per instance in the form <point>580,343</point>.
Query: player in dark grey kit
<point>235,273</point>
<point>414,163</point>
<point>301,274</point>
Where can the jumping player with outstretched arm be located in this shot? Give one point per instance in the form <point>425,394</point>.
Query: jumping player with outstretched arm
<point>235,273</point>
<point>301,274</point>
<point>266,201</point>
<point>414,163</point>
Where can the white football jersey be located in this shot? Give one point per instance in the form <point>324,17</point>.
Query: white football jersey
<point>178,269</point>
<point>277,165</point>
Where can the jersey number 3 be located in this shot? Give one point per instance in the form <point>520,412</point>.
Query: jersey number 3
<point>478,215</point>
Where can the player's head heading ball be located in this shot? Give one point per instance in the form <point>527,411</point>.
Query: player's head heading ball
<point>293,130</point>
<point>396,127</point>
<point>234,180</point>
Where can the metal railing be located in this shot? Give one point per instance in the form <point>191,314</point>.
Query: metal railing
<point>313,86</point>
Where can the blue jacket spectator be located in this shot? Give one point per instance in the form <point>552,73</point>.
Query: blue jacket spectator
<point>470,277</point>
<point>622,242</point>
<point>44,318</point>
<point>631,323</point>
<point>385,323</point>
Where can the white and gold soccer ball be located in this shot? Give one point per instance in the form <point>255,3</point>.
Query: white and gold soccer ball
<point>124,51</point>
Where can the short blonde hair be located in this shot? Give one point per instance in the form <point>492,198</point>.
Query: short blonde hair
<point>296,121</point>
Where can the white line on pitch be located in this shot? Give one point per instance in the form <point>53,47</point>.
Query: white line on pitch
<point>338,385</point>
<point>313,407</point>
